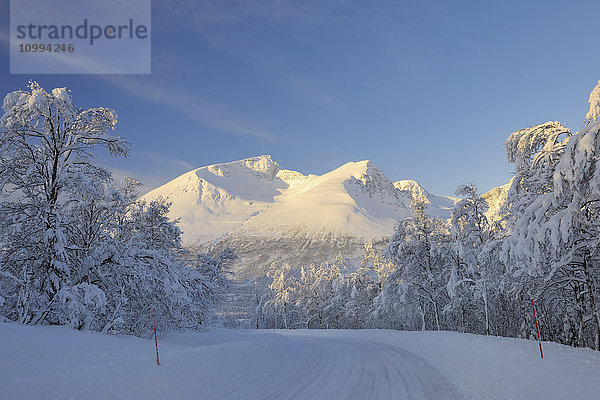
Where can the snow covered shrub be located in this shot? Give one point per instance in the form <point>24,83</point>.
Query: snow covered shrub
<point>79,306</point>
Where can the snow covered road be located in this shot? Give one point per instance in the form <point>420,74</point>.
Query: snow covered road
<point>60,363</point>
<point>353,369</point>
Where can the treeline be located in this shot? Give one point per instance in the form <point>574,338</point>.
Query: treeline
<point>78,250</point>
<point>470,274</point>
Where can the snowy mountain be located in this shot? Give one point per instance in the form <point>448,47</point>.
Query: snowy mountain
<point>212,201</point>
<point>495,199</point>
<point>440,206</point>
<point>267,214</point>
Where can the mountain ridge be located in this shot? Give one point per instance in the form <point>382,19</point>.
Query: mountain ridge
<point>256,207</point>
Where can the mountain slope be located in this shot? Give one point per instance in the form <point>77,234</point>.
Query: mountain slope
<point>356,200</point>
<point>496,198</point>
<point>267,214</point>
<point>211,201</point>
<point>440,206</point>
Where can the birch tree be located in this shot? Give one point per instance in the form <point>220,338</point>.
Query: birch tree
<point>46,146</point>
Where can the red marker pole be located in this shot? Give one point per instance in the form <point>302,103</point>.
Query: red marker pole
<point>155,339</point>
<point>538,330</point>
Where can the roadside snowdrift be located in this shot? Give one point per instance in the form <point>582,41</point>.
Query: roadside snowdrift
<point>59,363</point>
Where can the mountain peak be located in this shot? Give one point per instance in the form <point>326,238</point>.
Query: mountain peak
<point>357,169</point>
<point>260,166</point>
<point>255,195</point>
<point>266,213</point>
<point>413,187</point>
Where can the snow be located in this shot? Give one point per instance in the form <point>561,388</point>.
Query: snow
<point>268,214</point>
<point>594,112</point>
<point>57,362</point>
<point>495,199</point>
<point>255,194</point>
<point>43,362</point>
<point>440,206</point>
<point>489,367</point>
<point>356,199</point>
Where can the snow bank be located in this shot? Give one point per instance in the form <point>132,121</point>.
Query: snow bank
<point>60,363</point>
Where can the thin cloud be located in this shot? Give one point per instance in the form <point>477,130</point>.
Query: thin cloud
<point>4,38</point>
<point>170,161</point>
<point>203,16</point>
<point>314,93</point>
<point>149,182</point>
<point>194,107</point>
<point>196,13</point>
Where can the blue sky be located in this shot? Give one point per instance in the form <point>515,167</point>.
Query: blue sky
<point>427,90</point>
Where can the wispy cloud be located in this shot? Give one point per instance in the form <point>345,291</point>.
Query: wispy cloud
<point>4,38</point>
<point>314,93</point>
<point>207,16</point>
<point>149,182</point>
<point>285,12</point>
<point>163,169</point>
<point>192,106</point>
<point>169,161</point>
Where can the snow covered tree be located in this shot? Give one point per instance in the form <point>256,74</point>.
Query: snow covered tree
<point>75,249</point>
<point>45,151</point>
<point>283,286</point>
<point>552,249</point>
<point>594,112</point>
<point>468,279</point>
<point>146,268</point>
<point>468,216</point>
<point>373,261</point>
<point>535,151</point>
<point>413,247</point>
<point>316,292</point>
<point>573,229</point>
<point>214,282</point>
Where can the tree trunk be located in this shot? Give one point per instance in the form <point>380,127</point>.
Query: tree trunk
<point>590,288</point>
<point>487,313</point>
<point>437,316</point>
<point>579,307</point>
<point>422,308</point>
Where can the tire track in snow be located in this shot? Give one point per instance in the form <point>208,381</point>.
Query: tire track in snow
<point>352,369</point>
